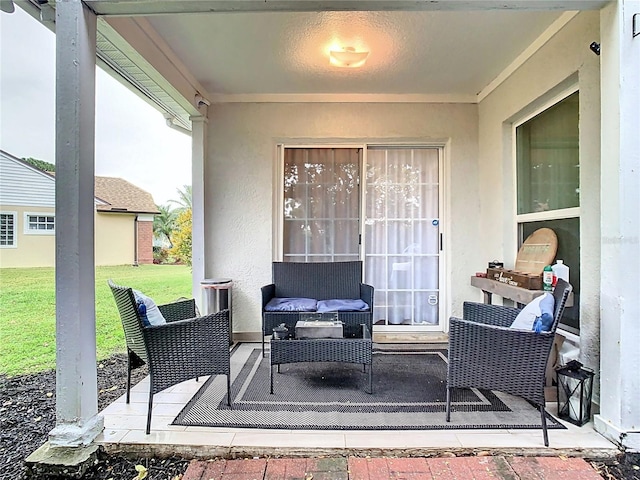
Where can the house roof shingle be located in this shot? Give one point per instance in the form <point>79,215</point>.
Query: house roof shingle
<point>120,195</point>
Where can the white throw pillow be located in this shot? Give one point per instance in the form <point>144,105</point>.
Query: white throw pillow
<point>533,310</point>
<point>153,314</point>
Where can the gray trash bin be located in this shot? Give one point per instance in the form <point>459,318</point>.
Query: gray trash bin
<point>216,296</point>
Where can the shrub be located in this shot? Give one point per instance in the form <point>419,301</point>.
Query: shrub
<point>160,255</point>
<point>181,249</point>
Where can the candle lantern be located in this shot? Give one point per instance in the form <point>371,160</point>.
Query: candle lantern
<point>575,389</point>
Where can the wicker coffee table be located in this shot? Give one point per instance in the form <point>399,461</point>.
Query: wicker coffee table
<point>356,347</point>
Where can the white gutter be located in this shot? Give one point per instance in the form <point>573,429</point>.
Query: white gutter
<point>171,123</point>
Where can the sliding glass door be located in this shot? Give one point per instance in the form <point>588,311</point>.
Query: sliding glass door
<point>399,235</point>
<point>402,234</point>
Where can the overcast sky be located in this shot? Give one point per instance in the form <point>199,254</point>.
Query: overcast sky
<point>132,139</point>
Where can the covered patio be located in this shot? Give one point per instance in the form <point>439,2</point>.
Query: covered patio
<point>125,431</point>
<point>251,81</point>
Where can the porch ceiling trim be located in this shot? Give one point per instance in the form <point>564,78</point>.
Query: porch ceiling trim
<point>341,98</point>
<point>157,7</point>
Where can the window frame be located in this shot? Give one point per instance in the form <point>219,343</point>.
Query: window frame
<point>15,229</point>
<point>558,214</point>
<point>30,231</point>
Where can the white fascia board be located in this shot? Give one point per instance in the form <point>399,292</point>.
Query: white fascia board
<point>139,41</point>
<point>156,7</point>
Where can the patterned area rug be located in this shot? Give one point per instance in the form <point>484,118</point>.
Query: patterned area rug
<point>409,393</point>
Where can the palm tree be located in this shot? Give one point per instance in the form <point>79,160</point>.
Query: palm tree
<point>184,202</point>
<point>165,223</point>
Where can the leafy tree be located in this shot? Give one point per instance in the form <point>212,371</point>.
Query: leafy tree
<point>40,164</point>
<point>185,196</point>
<point>182,237</point>
<point>165,223</point>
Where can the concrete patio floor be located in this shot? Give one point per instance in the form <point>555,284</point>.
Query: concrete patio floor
<point>125,432</point>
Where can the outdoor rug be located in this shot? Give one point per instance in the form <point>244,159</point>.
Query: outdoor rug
<point>409,393</point>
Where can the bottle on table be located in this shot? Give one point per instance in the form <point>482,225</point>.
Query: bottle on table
<point>547,278</point>
<point>560,270</point>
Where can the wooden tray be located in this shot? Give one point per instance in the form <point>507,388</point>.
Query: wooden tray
<point>529,281</point>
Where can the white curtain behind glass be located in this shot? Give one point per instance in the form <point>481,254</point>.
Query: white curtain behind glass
<point>321,204</point>
<point>402,234</point>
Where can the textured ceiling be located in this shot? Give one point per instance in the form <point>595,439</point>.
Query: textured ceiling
<point>427,53</point>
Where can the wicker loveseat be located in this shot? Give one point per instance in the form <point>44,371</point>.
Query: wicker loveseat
<point>319,281</point>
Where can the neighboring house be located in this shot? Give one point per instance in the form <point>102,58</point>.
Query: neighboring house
<point>123,218</point>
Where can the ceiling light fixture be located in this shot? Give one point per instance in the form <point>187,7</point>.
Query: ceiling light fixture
<point>348,57</point>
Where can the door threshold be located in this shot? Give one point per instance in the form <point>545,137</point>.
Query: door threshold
<point>438,338</point>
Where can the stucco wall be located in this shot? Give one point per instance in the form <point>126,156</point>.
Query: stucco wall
<point>565,60</point>
<point>32,250</point>
<point>239,182</point>
<point>114,239</point>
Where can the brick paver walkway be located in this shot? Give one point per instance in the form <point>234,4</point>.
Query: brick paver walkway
<point>357,468</point>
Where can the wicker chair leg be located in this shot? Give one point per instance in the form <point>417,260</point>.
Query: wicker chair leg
<point>448,404</point>
<point>544,426</point>
<point>228,389</point>
<point>271,379</point>
<point>370,379</point>
<point>149,412</point>
<point>128,377</point>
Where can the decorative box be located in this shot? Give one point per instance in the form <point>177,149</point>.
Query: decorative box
<point>516,279</point>
<point>319,329</point>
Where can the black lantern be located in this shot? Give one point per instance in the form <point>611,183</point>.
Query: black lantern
<point>575,388</point>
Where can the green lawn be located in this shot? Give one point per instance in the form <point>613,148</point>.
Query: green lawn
<point>28,312</point>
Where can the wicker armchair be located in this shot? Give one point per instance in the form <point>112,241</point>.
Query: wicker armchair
<point>185,347</point>
<point>485,353</point>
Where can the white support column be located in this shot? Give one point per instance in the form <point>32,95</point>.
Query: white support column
<point>77,419</point>
<point>619,418</point>
<point>198,158</point>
